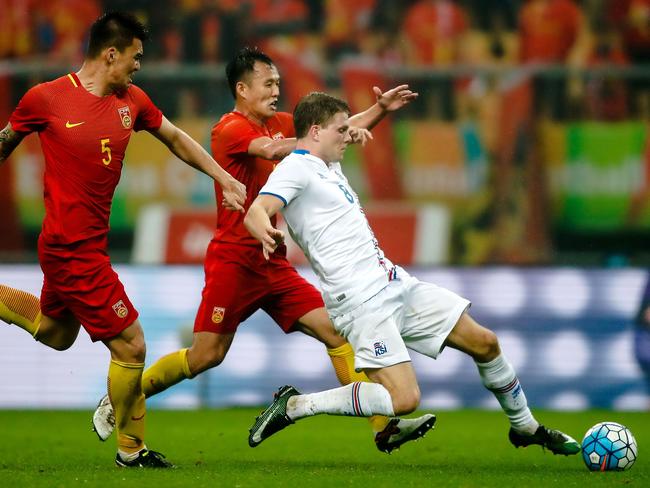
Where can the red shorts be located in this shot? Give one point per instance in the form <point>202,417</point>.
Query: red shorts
<point>78,279</point>
<point>239,281</point>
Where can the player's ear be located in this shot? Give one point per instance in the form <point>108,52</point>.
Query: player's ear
<point>240,89</point>
<point>314,132</point>
<point>110,54</point>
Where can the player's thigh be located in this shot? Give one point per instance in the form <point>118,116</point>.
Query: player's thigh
<point>317,324</point>
<point>84,284</point>
<point>128,346</point>
<point>470,337</point>
<point>58,332</point>
<point>430,313</point>
<point>373,332</point>
<point>292,299</point>
<point>231,294</point>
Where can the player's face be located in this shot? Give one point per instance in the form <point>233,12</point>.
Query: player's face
<point>125,64</point>
<point>334,138</point>
<point>261,90</point>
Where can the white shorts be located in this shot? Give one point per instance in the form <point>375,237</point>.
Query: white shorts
<point>408,313</point>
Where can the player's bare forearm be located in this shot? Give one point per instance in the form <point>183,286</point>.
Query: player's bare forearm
<point>258,223</point>
<point>192,153</point>
<point>271,149</point>
<point>9,139</point>
<point>387,101</point>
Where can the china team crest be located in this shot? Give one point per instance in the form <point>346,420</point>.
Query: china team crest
<point>217,314</point>
<point>125,115</point>
<point>120,309</point>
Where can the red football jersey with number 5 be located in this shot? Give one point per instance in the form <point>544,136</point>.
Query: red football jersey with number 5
<point>84,138</point>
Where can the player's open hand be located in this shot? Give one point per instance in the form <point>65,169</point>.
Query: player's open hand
<point>271,240</point>
<point>234,195</point>
<point>359,135</point>
<point>395,98</point>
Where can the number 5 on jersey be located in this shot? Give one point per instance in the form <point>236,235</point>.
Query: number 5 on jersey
<point>106,149</point>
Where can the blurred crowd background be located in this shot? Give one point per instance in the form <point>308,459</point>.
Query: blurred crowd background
<point>528,144</point>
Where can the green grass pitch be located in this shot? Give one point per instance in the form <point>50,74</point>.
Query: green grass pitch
<point>468,448</point>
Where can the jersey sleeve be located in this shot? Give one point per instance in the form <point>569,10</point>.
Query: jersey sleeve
<point>149,116</point>
<point>31,113</point>
<point>235,137</point>
<point>287,181</point>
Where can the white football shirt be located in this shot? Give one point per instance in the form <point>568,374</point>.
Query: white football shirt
<point>326,220</point>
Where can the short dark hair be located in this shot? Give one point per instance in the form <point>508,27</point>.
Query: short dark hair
<point>242,64</point>
<point>317,108</point>
<point>116,29</point>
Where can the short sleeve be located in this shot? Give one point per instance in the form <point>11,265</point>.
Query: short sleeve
<point>235,137</point>
<point>288,180</point>
<point>149,116</point>
<point>31,113</point>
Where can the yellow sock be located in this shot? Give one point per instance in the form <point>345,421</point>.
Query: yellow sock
<point>167,371</point>
<point>20,308</point>
<point>342,359</point>
<point>125,392</point>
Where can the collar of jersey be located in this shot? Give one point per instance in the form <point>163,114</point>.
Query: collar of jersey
<point>317,160</point>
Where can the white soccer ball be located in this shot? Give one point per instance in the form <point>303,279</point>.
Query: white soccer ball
<point>609,446</point>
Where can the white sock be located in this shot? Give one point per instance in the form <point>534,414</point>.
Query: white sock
<point>129,456</point>
<point>500,378</point>
<point>358,399</point>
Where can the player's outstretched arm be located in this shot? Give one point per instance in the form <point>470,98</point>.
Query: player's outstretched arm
<point>9,139</point>
<point>387,101</point>
<point>272,149</point>
<point>191,152</point>
<point>258,223</point>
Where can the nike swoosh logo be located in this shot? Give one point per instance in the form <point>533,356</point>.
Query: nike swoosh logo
<point>69,125</point>
<point>141,416</point>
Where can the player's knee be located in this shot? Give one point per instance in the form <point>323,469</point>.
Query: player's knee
<point>207,359</point>
<point>135,350</point>
<point>57,339</point>
<point>489,347</point>
<point>406,401</point>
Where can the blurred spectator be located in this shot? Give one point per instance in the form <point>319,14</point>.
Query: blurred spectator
<point>632,18</point>
<point>66,22</point>
<point>346,25</point>
<point>486,12</point>
<point>278,16</point>
<point>433,32</point>
<point>606,94</point>
<point>16,34</point>
<point>554,32</point>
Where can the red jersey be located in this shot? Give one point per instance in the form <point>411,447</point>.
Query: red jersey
<point>548,29</point>
<point>83,138</point>
<point>231,138</point>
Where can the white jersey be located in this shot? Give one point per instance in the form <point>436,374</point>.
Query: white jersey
<point>327,222</point>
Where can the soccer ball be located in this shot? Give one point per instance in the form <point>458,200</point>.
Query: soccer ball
<point>609,446</point>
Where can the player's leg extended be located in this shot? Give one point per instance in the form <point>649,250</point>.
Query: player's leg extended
<point>498,376</point>
<point>317,324</point>
<point>23,309</point>
<point>359,399</point>
<point>20,308</point>
<point>125,388</point>
<point>208,350</point>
